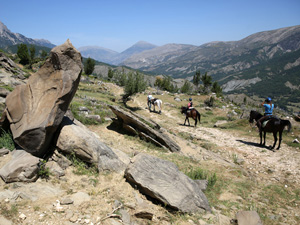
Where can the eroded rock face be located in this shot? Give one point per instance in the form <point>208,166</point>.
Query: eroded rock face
<point>146,129</point>
<point>162,180</point>
<point>36,109</point>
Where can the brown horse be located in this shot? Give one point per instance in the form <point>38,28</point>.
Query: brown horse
<point>273,125</point>
<point>191,113</point>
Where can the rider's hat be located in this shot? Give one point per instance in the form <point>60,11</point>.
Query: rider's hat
<point>190,99</point>
<point>268,99</point>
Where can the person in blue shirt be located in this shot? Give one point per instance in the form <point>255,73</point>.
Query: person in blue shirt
<point>267,104</point>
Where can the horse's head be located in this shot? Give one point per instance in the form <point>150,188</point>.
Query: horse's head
<point>251,117</point>
<point>254,115</point>
<point>183,109</point>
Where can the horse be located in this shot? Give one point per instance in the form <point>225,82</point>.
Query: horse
<point>191,113</point>
<point>273,125</point>
<point>156,102</point>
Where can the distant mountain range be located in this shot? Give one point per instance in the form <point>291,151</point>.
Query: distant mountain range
<point>112,57</point>
<point>8,38</point>
<point>264,64</point>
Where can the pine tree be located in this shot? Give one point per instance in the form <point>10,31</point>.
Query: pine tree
<point>32,54</point>
<point>186,87</point>
<point>135,83</point>
<point>89,66</point>
<point>44,54</point>
<point>23,54</point>
<point>216,88</point>
<point>110,74</point>
<point>196,78</point>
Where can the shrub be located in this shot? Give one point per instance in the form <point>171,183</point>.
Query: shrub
<point>44,171</point>
<point>200,174</point>
<point>6,140</point>
<point>81,168</point>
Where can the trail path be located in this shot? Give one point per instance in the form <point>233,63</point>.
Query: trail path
<point>282,165</point>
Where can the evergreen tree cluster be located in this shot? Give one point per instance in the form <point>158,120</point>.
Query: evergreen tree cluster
<point>165,83</point>
<point>27,55</point>
<point>208,85</point>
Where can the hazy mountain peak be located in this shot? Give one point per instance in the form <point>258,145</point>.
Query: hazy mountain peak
<point>143,43</point>
<point>3,28</point>
<point>94,48</point>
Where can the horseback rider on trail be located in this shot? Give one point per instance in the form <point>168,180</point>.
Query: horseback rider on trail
<point>190,105</point>
<point>267,104</point>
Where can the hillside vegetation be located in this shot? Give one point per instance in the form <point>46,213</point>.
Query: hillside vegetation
<point>248,177</point>
<point>223,149</point>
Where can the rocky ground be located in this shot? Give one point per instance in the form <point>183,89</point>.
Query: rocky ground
<point>250,178</point>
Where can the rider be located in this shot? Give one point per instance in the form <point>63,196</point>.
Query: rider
<point>190,105</point>
<point>267,104</point>
<point>149,100</point>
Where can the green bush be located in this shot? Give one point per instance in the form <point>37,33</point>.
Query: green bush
<point>200,174</point>
<point>81,168</point>
<point>6,140</point>
<point>44,171</point>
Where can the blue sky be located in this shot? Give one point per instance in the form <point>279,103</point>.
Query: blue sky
<point>118,24</point>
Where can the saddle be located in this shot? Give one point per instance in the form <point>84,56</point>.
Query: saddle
<point>265,122</point>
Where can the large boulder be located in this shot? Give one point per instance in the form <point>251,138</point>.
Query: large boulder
<point>23,167</point>
<point>161,180</point>
<point>36,109</point>
<point>75,138</point>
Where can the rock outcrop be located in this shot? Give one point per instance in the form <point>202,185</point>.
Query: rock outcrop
<point>36,109</point>
<point>10,66</point>
<point>145,128</point>
<point>75,138</point>
<point>161,180</point>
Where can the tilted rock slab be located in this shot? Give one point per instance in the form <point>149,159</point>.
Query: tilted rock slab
<point>162,180</point>
<point>36,109</point>
<point>75,138</point>
<point>145,128</point>
<point>23,167</point>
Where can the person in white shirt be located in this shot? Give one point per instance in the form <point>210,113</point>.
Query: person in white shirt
<point>149,100</point>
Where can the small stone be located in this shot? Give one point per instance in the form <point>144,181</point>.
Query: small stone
<point>22,216</point>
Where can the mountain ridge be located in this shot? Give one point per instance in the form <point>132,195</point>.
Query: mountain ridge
<point>8,38</point>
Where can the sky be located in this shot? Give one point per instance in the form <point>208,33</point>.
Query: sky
<point>119,24</point>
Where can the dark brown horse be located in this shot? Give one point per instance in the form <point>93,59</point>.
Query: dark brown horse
<point>273,125</point>
<point>191,113</point>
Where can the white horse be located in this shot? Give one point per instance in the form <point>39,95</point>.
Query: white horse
<point>157,102</point>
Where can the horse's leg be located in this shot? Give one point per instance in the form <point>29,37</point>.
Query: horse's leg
<point>185,121</point>
<point>264,138</point>
<point>260,135</point>
<point>188,121</point>
<point>280,138</point>
<point>275,139</point>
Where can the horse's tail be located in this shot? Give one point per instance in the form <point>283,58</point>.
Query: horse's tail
<point>288,124</point>
<point>198,115</point>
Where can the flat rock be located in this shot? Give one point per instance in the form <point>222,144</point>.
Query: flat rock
<point>161,180</point>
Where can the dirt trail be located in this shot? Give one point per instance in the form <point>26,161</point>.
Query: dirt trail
<point>281,166</point>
